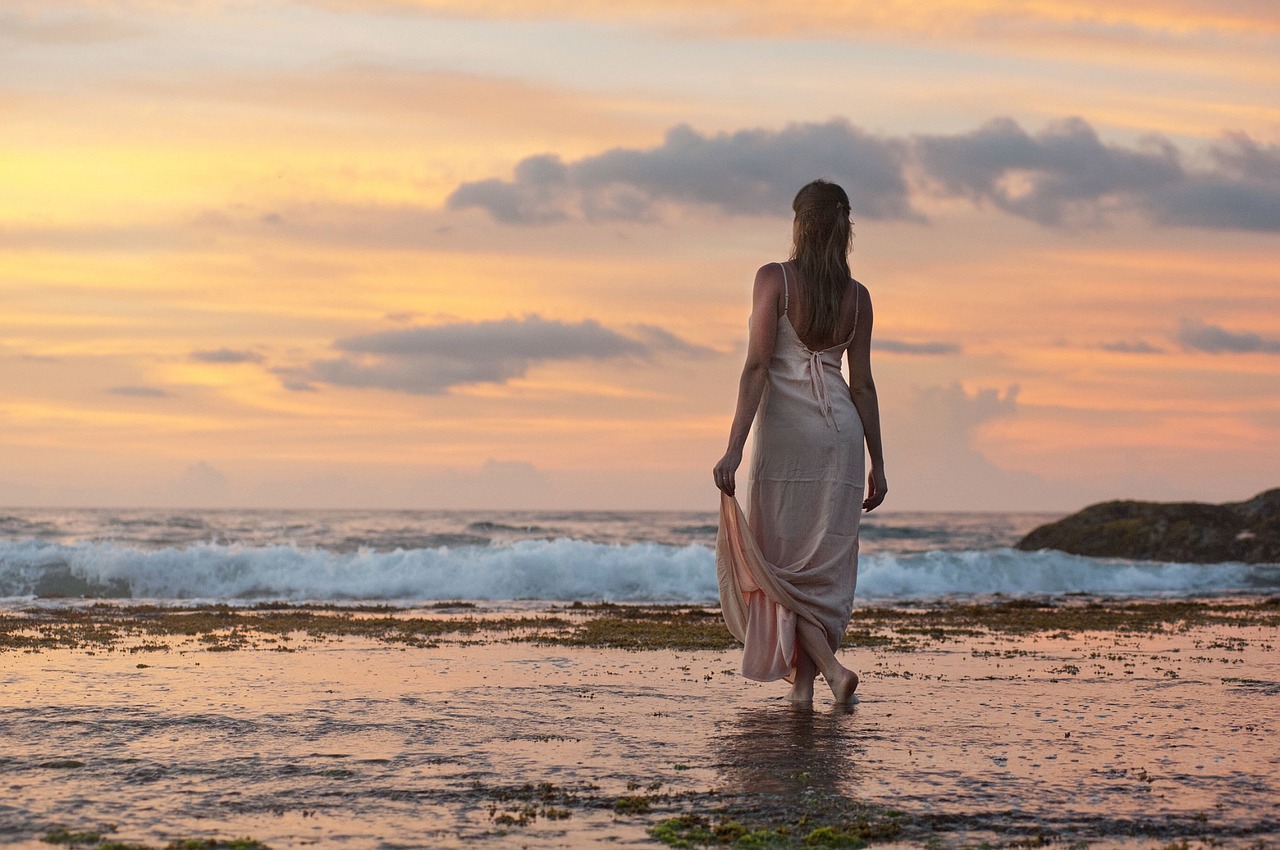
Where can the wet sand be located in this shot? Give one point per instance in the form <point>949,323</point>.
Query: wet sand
<point>1087,722</point>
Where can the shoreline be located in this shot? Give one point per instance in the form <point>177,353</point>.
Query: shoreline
<point>287,626</point>
<point>1135,723</point>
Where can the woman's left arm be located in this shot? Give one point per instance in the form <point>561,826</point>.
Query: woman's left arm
<point>862,389</point>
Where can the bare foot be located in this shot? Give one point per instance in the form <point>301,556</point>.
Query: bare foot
<point>843,686</point>
<point>801,693</point>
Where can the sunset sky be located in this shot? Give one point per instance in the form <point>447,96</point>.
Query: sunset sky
<point>387,253</point>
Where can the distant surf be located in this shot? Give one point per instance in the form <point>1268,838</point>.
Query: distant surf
<point>562,570</point>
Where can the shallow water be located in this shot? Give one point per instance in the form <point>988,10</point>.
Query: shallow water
<point>1114,739</point>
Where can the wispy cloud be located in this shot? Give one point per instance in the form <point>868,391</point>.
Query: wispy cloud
<point>898,346</point>
<point>431,359</point>
<point>1215,339</point>
<point>416,99</point>
<point>139,392</point>
<point>1132,21</point>
<point>44,27</point>
<point>1137,346</point>
<point>226,355</point>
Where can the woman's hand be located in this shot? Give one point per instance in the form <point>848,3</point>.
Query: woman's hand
<point>877,489</point>
<point>725,469</point>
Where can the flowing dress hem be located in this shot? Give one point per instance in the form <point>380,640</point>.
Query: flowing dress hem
<point>758,610</point>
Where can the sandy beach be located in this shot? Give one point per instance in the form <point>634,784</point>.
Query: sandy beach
<point>1014,723</point>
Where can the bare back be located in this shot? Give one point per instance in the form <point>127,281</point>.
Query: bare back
<point>793,307</point>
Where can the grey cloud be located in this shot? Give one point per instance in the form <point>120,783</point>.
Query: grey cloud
<point>1057,176</point>
<point>1241,192</point>
<point>1140,346</point>
<point>429,360</point>
<point>539,194</point>
<point>1214,339</point>
<point>419,375</point>
<point>139,392</point>
<point>749,172</point>
<point>897,346</point>
<point>226,355</point>
<point>1064,175</point>
<point>532,337</point>
<point>1218,203</point>
<point>1243,157</point>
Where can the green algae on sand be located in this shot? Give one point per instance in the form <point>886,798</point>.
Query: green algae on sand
<point>95,841</point>
<point>286,628</point>
<point>221,628</point>
<point>836,824</point>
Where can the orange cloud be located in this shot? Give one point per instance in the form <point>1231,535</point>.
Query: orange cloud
<point>407,102</point>
<point>933,16</point>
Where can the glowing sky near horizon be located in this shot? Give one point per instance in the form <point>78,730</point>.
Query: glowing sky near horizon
<point>372,253</point>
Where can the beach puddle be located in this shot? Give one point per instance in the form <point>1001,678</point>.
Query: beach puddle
<point>1010,735</point>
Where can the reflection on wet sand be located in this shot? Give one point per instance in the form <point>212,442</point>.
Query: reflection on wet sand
<point>1126,729</point>
<point>789,751</point>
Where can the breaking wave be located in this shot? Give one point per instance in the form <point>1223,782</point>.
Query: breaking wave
<point>562,570</point>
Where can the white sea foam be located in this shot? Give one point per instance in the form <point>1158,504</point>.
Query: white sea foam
<point>1013,572</point>
<point>531,569</point>
<point>562,570</point>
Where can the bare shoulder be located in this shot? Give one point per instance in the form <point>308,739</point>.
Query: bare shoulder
<point>769,282</point>
<point>771,273</point>
<point>864,294</point>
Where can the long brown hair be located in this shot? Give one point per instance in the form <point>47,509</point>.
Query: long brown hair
<point>821,238</point>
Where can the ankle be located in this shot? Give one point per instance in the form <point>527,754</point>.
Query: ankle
<point>840,674</point>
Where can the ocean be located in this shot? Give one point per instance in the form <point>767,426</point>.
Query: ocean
<point>1125,724</point>
<point>406,556</point>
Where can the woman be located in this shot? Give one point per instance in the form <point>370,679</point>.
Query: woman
<point>787,576</point>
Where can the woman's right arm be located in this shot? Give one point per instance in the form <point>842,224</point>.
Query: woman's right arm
<point>862,389</point>
<point>766,306</point>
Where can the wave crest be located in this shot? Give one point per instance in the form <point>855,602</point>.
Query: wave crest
<point>562,570</point>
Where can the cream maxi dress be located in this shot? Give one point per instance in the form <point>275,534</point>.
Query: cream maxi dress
<point>795,554</point>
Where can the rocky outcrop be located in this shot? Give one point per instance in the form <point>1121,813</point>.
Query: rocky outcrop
<point>1189,532</point>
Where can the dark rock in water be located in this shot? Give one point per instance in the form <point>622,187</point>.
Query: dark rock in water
<point>1189,532</point>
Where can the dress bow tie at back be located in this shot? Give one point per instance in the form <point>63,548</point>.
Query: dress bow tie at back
<point>819,387</point>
